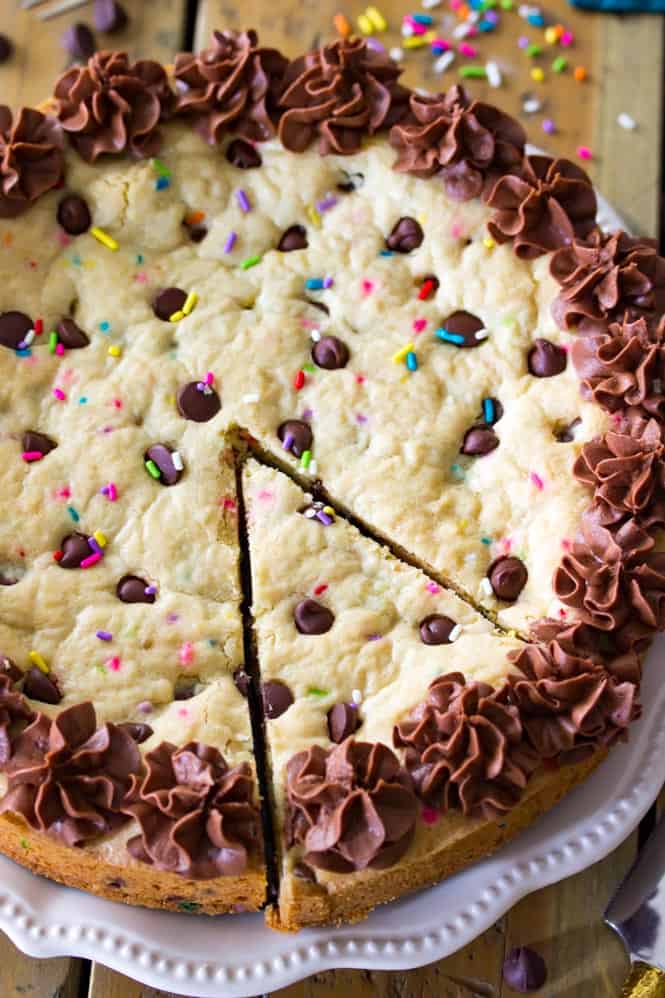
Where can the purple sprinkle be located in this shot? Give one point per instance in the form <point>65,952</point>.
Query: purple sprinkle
<point>171,618</point>
<point>104,636</point>
<point>145,707</point>
<point>523,42</point>
<point>361,418</point>
<point>374,637</point>
<point>287,443</point>
<point>230,241</point>
<point>22,345</point>
<point>324,518</point>
<point>375,45</point>
<point>104,490</point>
<point>97,548</point>
<point>549,126</point>
<point>243,200</point>
<point>326,204</point>
<point>328,282</point>
<point>200,387</point>
<point>307,415</point>
<point>491,16</point>
<point>150,590</point>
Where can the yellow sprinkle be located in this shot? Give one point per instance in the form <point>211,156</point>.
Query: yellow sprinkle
<point>537,74</point>
<point>38,660</point>
<point>100,538</point>
<point>313,216</point>
<point>413,42</point>
<point>463,524</point>
<point>104,238</point>
<point>329,510</point>
<point>114,351</point>
<point>190,302</point>
<point>376,18</point>
<point>551,35</point>
<point>429,36</point>
<point>401,354</point>
<point>488,243</point>
<point>365,24</point>
<point>177,316</point>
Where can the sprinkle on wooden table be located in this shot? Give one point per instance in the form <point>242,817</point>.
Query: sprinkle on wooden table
<point>365,25</point>
<point>560,64</point>
<point>579,73</point>
<point>377,20</point>
<point>473,72</point>
<point>341,25</point>
<point>537,74</point>
<point>626,121</point>
<point>584,152</point>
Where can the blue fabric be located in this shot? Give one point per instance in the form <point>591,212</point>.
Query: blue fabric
<point>622,6</point>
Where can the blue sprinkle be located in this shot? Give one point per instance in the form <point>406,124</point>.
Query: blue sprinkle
<point>314,283</point>
<point>485,26</point>
<point>536,20</point>
<point>457,470</point>
<point>423,18</point>
<point>488,411</point>
<point>104,326</point>
<point>386,253</point>
<point>162,183</point>
<point>83,399</point>
<point>26,352</point>
<point>74,515</point>
<point>411,361</point>
<point>76,260</point>
<point>485,540</point>
<point>443,334</point>
<point>139,257</point>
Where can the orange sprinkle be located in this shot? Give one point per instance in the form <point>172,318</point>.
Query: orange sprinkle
<point>194,217</point>
<point>342,26</point>
<point>579,73</point>
<point>463,11</point>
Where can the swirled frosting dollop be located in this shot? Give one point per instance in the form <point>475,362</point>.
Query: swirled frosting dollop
<point>544,205</point>
<point>110,105</point>
<point>339,94</point>
<point>351,806</point>
<point>14,711</point>
<point>67,777</point>
<point>469,144</point>
<point>231,86</point>
<point>31,158</point>
<point>609,277</point>
<point>465,748</point>
<point>197,815</point>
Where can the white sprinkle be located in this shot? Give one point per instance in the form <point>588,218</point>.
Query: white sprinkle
<point>313,467</point>
<point>462,30</point>
<point>473,17</point>
<point>531,105</point>
<point>524,10</point>
<point>250,398</point>
<point>407,30</point>
<point>626,121</point>
<point>444,61</point>
<point>482,334</point>
<point>455,633</point>
<point>177,460</point>
<point>357,696</point>
<point>396,53</point>
<point>310,514</point>
<point>486,587</point>
<point>29,337</point>
<point>430,4</point>
<point>315,335</point>
<point>494,77</point>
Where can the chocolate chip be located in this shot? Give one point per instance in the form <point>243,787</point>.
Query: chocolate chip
<point>466,325</point>
<point>304,872</point>
<point>243,155</point>
<point>117,882</point>
<point>6,48</point>
<point>13,327</point>
<point>293,238</point>
<point>277,698</point>
<point>167,302</point>
<point>9,668</point>
<point>312,617</point>
<point>132,589</point>
<point>524,970</point>
<point>74,215</point>
<point>507,577</point>
<point>79,42</point>
<point>242,682</point>
<point>546,359</point>
<point>296,436</point>
<point>330,353</point>
<point>479,440</point>
<point>11,574</point>
<point>162,456</point>
<point>136,730</point>
<point>39,686</point>
<point>75,549</point>
<point>436,629</point>
<point>184,689</point>
<point>198,403</point>
<point>71,335</point>
<point>197,233</point>
<point>405,236</point>
<point>566,434</point>
<point>33,441</point>
<point>109,16</point>
<point>343,721</point>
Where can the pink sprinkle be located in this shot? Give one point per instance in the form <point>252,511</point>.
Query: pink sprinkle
<point>228,503</point>
<point>64,493</point>
<point>468,50</point>
<point>433,588</point>
<point>419,325</point>
<point>186,653</point>
<point>60,349</point>
<point>183,712</point>
<point>441,45</point>
<point>361,418</point>
<point>562,613</point>
<point>117,403</point>
<point>91,560</point>
<point>567,38</point>
<point>63,238</point>
<point>429,815</point>
<point>209,378</point>
<point>321,588</point>
<point>308,324</point>
<point>360,379</point>
<point>566,544</point>
<point>59,394</point>
<point>32,455</point>
<point>367,286</point>
<point>113,664</point>
<point>507,544</point>
<point>584,152</point>
<point>112,493</point>
<point>141,277</point>
<point>265,495</point>
<point>536,480</point>
<point>456,230</point>
<point>418,29</point>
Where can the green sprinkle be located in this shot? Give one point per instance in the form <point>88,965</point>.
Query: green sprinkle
<point>559,64</point>
<point>24,844</point>
<point>161,168</point>
<point>188,906</point>
<point>251,261</point>
<point>305,459</point>
<point>534,50</point>
<point>74,515</point>
<point>139,257</point>
<point>310,368</point>
<point>473,72</point>
<point>152,469</point>
<point>314,691</point>
<point>485,540</point>
<point>507,4</point>
<point>457,470</point>
<point>52,341</point>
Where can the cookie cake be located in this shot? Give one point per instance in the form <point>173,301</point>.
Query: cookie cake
<point>331,482</point>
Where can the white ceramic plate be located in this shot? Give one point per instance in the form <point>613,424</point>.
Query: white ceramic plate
<point>231,957</point>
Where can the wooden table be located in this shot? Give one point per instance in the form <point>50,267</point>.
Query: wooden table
<point>625,59</point>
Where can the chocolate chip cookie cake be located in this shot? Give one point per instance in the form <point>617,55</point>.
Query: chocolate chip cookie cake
<point>332,480</point>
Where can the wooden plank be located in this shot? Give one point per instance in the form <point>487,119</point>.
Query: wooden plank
<point>105,983</point>
<point>21,977</point>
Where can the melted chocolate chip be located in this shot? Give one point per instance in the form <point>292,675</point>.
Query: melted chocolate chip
<point>71,335</point>
<point>74,215</point>
<point>466,325</point>
<point>41,686</point>
<point>132,589</point>
<point>136,730</point>
<point>479,440</point>
<point>343,721</point>
<point>436,629</point>
<point>276,697</point>
<point>33,441</point>
<point>352,182</point>
<point>79,42</point>
<point>297,435</point>
<point>242,682</point>
<point>6,48</point>
<point>507,577</point>
<point>184,689</point>
<point>405,236</point>
<point>9,668</point>
<point>13,327</point>
<point>524,970</point>
<point>330,353</point>
<point>162,456</point>
<point>196,233</point>
<point>304,872</point>
<point>10,575</point>
<point>109,16</point>
<point>320,305</point>
<point>546,359</point>
<point>566,434</point>
<point>312,617</point>
<point>75,549</point>
<point>197,403</point>
<point>117,882</point>
<point>167,302</point>
<point>293,238</point>
<point>243,155</point>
